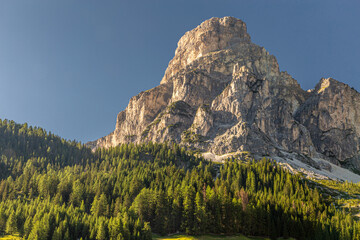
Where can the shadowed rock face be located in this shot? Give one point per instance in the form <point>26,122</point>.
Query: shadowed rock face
<point>332,115</point>
<point>221,93</point>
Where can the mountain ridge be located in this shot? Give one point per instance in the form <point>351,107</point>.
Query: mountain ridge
<point>223,94</point>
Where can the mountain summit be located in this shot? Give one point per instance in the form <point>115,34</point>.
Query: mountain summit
<point>223,94</point>
<point>212,35</point>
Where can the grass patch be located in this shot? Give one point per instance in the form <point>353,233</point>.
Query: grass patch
<point>352,189</point>
<point>10,237</point>
<point>207,237</point>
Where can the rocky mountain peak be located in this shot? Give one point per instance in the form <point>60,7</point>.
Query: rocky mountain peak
<point>328,85</point>
<point>223,94</point>
<point>332,115</point>
<point>323,84</point>
<point>212,35</point>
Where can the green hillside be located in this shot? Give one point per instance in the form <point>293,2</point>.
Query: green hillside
<point>56,189</point>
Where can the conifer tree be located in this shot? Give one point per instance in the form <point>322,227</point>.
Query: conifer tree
<point>11,224</point>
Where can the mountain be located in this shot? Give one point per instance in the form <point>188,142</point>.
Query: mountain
<point>223,94</point>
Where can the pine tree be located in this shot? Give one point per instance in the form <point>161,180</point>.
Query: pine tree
<point>101,231</point>
<point>200,224</point>
<point>11,224</point>
<point>188,214</point>
<point>99,206</point>
<point>57,235</point>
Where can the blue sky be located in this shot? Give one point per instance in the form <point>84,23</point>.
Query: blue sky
<point>71,66</point>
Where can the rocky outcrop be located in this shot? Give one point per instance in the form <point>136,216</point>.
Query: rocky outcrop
<point>221,93</point>
<point>138,115</point>
<point>212,35</point>
<point>263,106</point>
<point>332,115</point>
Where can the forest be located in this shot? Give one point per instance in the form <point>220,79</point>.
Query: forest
<point>51,188</point>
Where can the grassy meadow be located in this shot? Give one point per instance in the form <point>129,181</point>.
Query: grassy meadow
<point>9,237</point>
<point>205,237</point>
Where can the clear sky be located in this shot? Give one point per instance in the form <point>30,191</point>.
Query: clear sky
<point>71,66</point>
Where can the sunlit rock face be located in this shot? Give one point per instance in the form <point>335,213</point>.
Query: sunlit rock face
<point>221,93</point>
<point>212,35</point>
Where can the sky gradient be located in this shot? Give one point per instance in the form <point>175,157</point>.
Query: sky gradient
<point>71,66</point>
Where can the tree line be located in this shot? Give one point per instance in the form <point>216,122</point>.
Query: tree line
<point>51,188</point>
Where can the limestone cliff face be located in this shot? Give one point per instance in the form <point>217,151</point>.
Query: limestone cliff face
<point>212,35</point>
<point>221,93</point>
<point>332,115</point>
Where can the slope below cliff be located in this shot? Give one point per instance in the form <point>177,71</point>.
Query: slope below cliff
<point>223,94</point>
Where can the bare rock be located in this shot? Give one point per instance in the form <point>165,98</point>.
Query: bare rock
<point>221,93</point>
<point>212,35</point>
<point>332,116</point>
